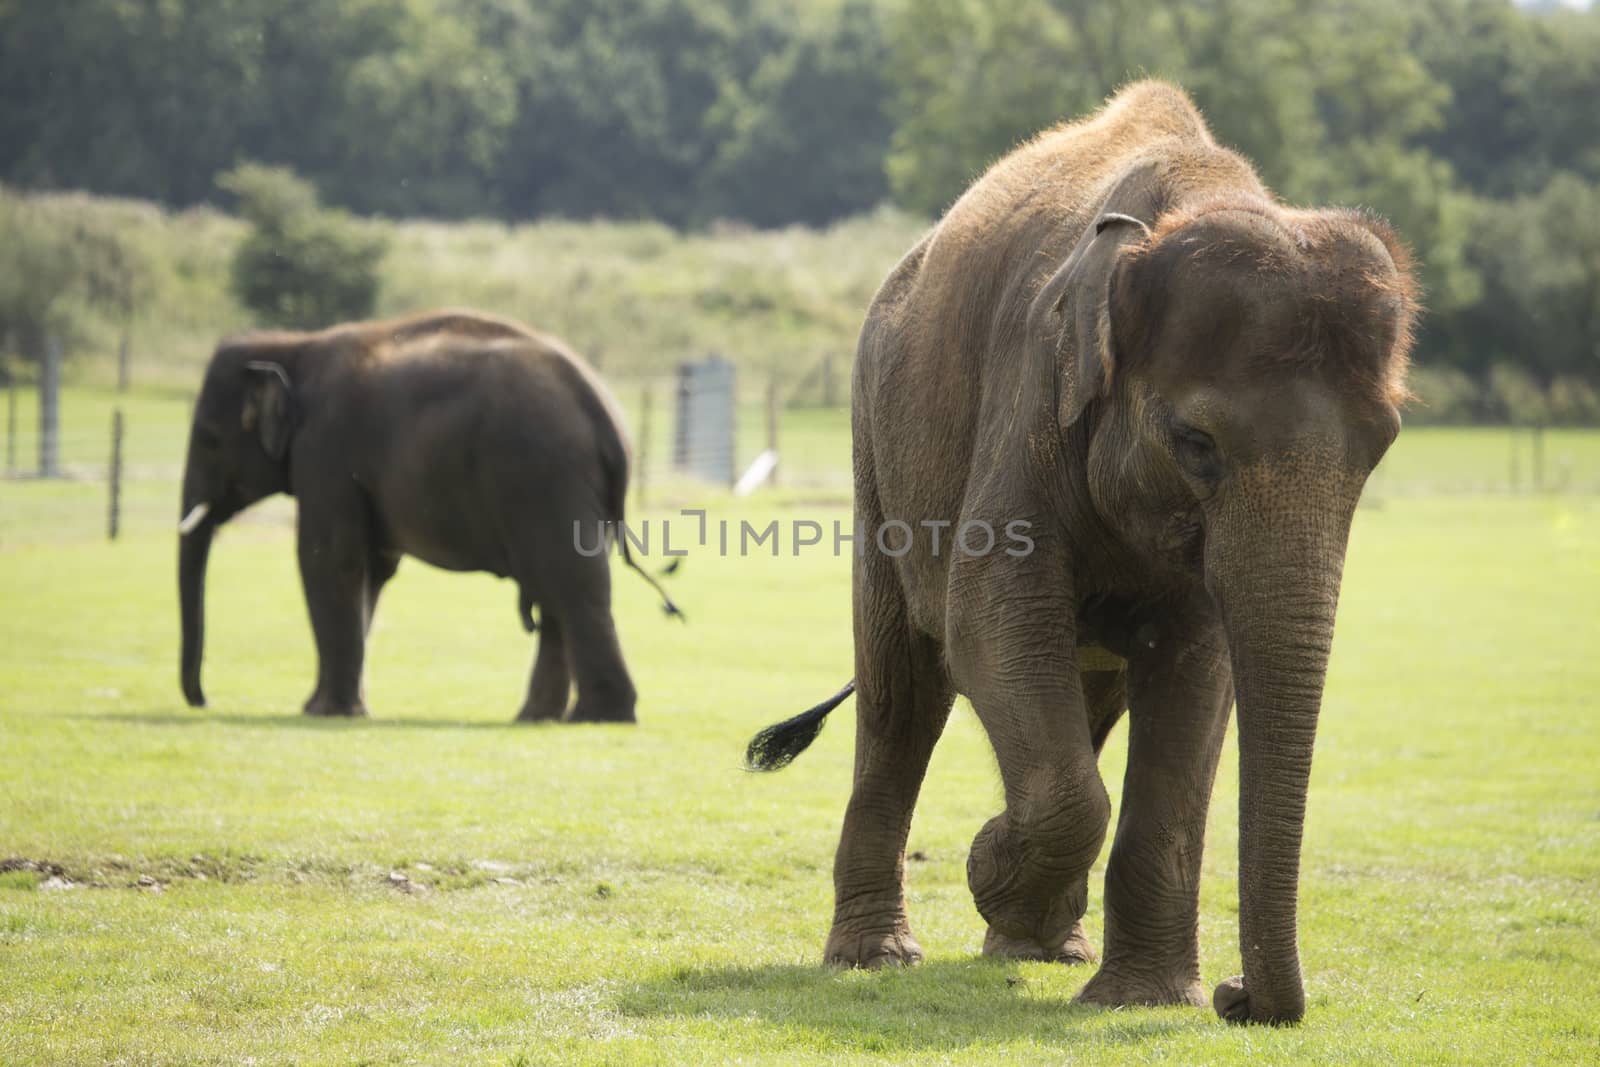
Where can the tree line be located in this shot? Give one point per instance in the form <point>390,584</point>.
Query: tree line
<point>1471,124</point>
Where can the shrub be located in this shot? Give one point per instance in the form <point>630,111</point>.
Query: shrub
<point>37,271</point>
<point>300,265</point>
<point>1574,402</point>
<point>1445,396</point>
<point>1515,396</point>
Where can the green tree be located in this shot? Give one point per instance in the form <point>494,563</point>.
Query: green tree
<point>973,78</point>
<point>804,140</point>
<point>1541,255</point>
<point>425,119</point>
<point>300,265</point>
<point>37,272</point>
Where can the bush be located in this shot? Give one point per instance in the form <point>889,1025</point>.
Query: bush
<point>1445,396</point>
<point>1574,402</point>
<point>300,266</point>
<point>1515,396</point>
<point>37,270</point>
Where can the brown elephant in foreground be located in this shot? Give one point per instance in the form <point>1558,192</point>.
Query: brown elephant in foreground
<point>1179,386</point>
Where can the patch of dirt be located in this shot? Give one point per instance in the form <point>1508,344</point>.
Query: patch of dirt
<point>159,874</point>
<point>402,881</point>
<point>44,867</point>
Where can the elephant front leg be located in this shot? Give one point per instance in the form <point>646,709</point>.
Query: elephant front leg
<point>1074,948</point>
<point>551,684</point>
<point>1028,868</point>
<point>1104,700</point>
<point>1010,643</point>
<point>333,571</point>
<point>1029,865</point>
<point>1179,691</point>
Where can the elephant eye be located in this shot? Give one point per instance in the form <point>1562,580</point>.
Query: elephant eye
<point>1196,452</point>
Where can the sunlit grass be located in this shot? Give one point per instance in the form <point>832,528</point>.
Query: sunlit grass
<point>437,885</point>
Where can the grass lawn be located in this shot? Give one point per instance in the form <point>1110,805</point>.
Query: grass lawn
<point>436,885</point>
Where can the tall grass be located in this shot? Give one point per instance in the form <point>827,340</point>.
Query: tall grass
<point>635,298</point>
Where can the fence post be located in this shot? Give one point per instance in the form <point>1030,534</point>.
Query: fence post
<point>11,425</point>
<point>50,410</point>
<point>642,464</point>
<point>772,428</point>
<point>115,515</point>
<point>1538,458</point>
<point>1516,467</point>
<point>123,371</point>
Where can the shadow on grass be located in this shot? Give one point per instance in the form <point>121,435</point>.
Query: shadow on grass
<point>292,721</point>
<point>949,1004</point>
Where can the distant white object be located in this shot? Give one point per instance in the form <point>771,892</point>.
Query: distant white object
<point>759,472</point>
<point>196,515</point>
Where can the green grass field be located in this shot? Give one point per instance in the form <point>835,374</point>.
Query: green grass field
<point>435,885</point>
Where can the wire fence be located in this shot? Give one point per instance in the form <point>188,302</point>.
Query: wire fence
<point>118,457</point>
<point>130,487</point>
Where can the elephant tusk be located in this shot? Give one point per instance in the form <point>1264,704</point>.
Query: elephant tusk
<point>193,519</point>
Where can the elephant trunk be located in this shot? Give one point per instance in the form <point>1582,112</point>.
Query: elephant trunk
<point>1278,607</point>
<point>194,549</point>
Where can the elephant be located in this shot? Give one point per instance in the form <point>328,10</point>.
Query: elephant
<point>468,441</point>
<point>1178,386</point>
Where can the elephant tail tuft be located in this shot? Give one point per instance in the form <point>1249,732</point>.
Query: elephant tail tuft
<point>666,601</point>
<point>776,747</point>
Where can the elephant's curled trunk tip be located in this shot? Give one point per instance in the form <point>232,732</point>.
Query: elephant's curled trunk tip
<point>777,746</point>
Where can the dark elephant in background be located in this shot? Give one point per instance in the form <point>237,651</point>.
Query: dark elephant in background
<point>1118,337</point>
<point>469,442</point>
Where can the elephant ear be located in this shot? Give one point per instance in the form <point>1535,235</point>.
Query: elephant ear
<point>269,406</point>
<point>1078,298</point>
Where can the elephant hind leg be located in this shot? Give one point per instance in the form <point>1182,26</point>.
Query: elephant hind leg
<point>381,566</point>
<point>573,594</point>
<point>903,697</point>
<point>551,683</point>
<point>1105,698</point>
<point>580,598</point>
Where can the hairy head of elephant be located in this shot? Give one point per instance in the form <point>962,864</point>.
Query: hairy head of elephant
<point>1244,365</point>
<point>238,453</point>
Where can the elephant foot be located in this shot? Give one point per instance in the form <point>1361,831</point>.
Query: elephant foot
<point>547,713</point>
<point>1234,1004</point>
<point>1112,989</point>
<point>1022,903</point>
<point>587,712</point>
<point>872,949</point>
<point>1075,949</point>
<point>322,708</point>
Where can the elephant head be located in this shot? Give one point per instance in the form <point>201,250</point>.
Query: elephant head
<point>238,454</point>
<point>1237,369</point>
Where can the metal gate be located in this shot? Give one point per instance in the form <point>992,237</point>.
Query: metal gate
<point>703,444</point>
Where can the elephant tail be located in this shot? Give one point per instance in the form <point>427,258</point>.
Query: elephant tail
<point>617,457</point>
<point>776,747</point>
<point>666,601</point>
